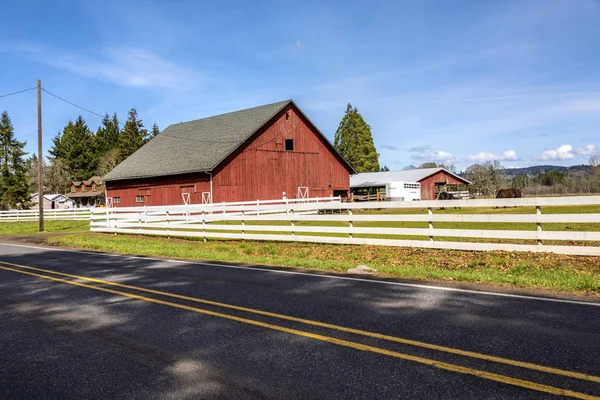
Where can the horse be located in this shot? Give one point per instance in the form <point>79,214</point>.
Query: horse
<point>510,193</point>
<point>446,196</point>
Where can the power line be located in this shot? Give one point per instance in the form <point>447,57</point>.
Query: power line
<point>20,91</point>
<point>73,104</point>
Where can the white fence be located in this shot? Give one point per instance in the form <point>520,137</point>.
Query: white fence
<point>304,222</point>
<point>77,214</point>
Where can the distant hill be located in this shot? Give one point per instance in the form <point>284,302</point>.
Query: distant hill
<point>540,169</point>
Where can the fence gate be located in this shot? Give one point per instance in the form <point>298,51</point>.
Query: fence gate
<point>303,192</point>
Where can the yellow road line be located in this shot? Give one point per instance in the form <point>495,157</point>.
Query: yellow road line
<point>345,343</point>
<point>465,353</point>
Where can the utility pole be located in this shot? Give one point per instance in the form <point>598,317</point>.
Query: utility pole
<point>40,158</point>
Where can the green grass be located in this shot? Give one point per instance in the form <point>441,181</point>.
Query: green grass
<point>30,228</point>
<point>528,270</point>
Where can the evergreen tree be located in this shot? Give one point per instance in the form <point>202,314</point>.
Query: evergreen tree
<point>155,131</point>
<point>384,169</point>
<point>132,137</point>
<point>57,150</point>
<point>76,148</point>
<point>354,141</point>
<point>107,136</point>
<point>14,187</point>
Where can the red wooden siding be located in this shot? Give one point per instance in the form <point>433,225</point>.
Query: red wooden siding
<point>261,169</point>
<point>159,191</point>
<point>428,184</point>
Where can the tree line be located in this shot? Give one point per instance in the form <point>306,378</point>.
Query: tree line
<point>77,153</point>
<point>488,178</point>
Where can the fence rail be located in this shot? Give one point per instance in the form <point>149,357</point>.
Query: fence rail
<point>77,214</point>
<point>331,221</point>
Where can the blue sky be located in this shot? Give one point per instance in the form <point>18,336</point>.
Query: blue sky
<point>452,81</point>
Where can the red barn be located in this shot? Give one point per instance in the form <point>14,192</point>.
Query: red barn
<point>253,154</point>
<point>432,182</point>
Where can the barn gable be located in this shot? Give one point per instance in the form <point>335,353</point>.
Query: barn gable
<point>260,153</point>
<point>200,145</point>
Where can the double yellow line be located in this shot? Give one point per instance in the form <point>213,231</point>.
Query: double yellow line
<point>26,270</point>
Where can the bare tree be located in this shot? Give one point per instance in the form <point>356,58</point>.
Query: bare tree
<point>57,177</point>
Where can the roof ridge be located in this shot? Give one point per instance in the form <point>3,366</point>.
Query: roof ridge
<point>283,103</point>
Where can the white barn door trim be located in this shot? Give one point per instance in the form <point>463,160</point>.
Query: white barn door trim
<point>303,192</point>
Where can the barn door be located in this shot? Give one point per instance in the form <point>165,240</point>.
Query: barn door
<point>206,198</point>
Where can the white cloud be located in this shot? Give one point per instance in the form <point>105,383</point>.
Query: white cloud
<point>426,153</point>
<point>482,156</point>
<point>124,66</point>
<point>585,150</point>
<point>566,152</point>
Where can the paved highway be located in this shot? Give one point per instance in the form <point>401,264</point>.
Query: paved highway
<point>77,325</point>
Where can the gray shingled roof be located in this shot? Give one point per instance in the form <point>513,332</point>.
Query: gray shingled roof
<point>375,179</point>
<point>195,146</point>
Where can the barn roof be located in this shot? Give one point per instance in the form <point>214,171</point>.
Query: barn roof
<point>197,146</point>
<point>374,179</point>
<point>51,197</point>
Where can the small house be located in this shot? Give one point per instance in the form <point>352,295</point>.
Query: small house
<point>52,202</point>
<point>87,193</point>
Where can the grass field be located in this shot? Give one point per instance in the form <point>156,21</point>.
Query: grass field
<point>528,270</point>
<point>30,228</point>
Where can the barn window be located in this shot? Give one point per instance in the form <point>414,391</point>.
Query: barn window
<point>116,200</point>
<point>139,199</point>
<point>73,188</point>
<point>83,188</point>
<point>94,187</point>
<point>287,116</point>
<point>289,144</point>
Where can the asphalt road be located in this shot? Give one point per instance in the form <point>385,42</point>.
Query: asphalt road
<point>76,325</point>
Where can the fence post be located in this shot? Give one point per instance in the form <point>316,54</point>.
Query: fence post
<point>430,213</point>
<point>538,211</point>
<point>293,222</point>
<point>168,225</point>
<point>243,226</point>
<point>351,224</point>
<point>257,207</point>
<point>203,226</point>
<point>140,222</point>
